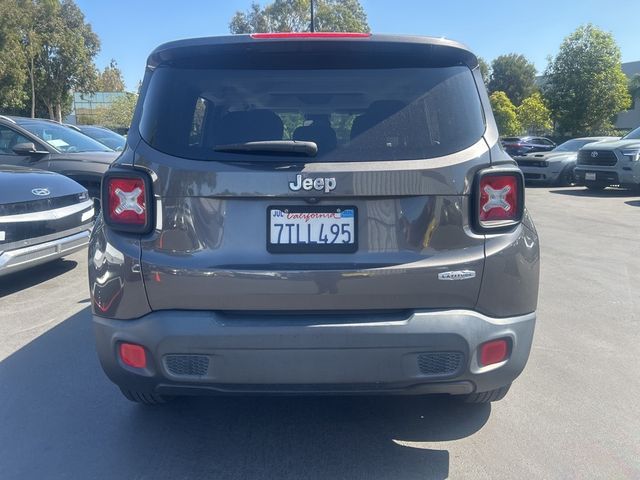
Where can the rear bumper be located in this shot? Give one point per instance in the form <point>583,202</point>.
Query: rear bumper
<point>26,257</point>
<point>195,352</point>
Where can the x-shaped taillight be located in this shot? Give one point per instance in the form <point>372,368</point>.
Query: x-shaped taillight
<point>497,198</point>
<point>129,201</point>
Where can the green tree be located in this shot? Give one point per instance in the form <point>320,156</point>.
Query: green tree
<point>21,37</point>
<point>110,79</point>
<point>46,50</point>
<point>65,63</point>
<point>295,16</point>
<point>484,70</point>
<point>119,114</point>
<point>534,116</point>
<point>514,75</point>
<point>13,75</point>
<point>505,114</point>
<point>585,85</point>
<point>36,15</point>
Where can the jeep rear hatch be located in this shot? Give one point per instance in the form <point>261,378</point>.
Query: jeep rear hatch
<point>378,218</point>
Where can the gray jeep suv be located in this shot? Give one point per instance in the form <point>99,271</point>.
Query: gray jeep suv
<point>313,213</point>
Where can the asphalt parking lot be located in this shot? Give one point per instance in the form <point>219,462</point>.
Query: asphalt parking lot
<point>573,413</point>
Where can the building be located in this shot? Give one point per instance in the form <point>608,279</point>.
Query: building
<point>630,119</point>
<point>86,106</point>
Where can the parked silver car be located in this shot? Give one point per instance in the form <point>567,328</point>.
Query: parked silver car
<point>313,213</point>
<point>43,216</point>
<point>616,162</point>
<point>555,167</point>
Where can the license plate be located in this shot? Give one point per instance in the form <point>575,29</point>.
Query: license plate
<point>590,176</point>
<point>321,229</point>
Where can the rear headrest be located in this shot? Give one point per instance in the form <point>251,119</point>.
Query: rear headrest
<point>323,135</point>
<point>249,126</point>
<point>376,113</point>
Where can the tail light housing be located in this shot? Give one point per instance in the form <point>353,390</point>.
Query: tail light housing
<point>499,200</point>
<point>126,201</point>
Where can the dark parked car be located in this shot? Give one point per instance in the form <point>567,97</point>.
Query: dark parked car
<point>107,137</point>
<point>555,167</point>
<point>48,145</point>
<point>517,146</point>
<point>43,216</point>
<point>313,213</point>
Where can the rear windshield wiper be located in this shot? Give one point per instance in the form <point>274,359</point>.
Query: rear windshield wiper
<point>286,147</point>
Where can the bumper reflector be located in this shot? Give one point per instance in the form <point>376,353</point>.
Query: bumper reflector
<point>494,351</point>
<point>133,355</point>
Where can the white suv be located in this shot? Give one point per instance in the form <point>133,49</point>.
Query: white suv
<point>610,163</point>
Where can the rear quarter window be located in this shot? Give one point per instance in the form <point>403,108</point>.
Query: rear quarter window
<point>360,114</point>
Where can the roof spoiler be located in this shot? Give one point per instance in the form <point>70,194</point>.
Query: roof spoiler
<point>275,49</point>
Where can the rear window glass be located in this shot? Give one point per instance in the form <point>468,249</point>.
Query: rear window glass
<point>351,114</point>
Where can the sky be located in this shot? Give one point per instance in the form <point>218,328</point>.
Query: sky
<point>129,30</point>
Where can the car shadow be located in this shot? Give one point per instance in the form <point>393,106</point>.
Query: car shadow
<point>607,192</point>
<point>536,186</point>
<point>61,418</point>
<point>17,281</point>
<point>633,203</point>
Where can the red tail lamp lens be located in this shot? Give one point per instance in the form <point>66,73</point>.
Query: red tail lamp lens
<point>133,355</point>
<point>493,352</point>
<point>127,201</point>
<point>499,196</point>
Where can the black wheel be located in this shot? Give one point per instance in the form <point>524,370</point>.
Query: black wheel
<point>596,187</point>
<point>94,194</point>
<point>566,178</point>
<point>487,397</point>
<point>143,397</point>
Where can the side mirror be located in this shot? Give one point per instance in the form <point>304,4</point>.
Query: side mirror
<point>28,148</point>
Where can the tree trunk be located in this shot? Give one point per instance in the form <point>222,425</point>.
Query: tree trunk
<point>58,113</point>
<point>50,109</point>
<point>33,91</point>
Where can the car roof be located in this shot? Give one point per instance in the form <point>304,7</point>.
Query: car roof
<point>188,48</point>
<point>7,119</point>
<point>26,120</point>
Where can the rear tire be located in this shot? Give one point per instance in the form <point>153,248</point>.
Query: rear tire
<point>487,397</point>
<point>94,194</point>
<point>144,398</point>
<point>566,178</point>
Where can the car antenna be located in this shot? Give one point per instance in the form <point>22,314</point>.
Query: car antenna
<point>313,26</point>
